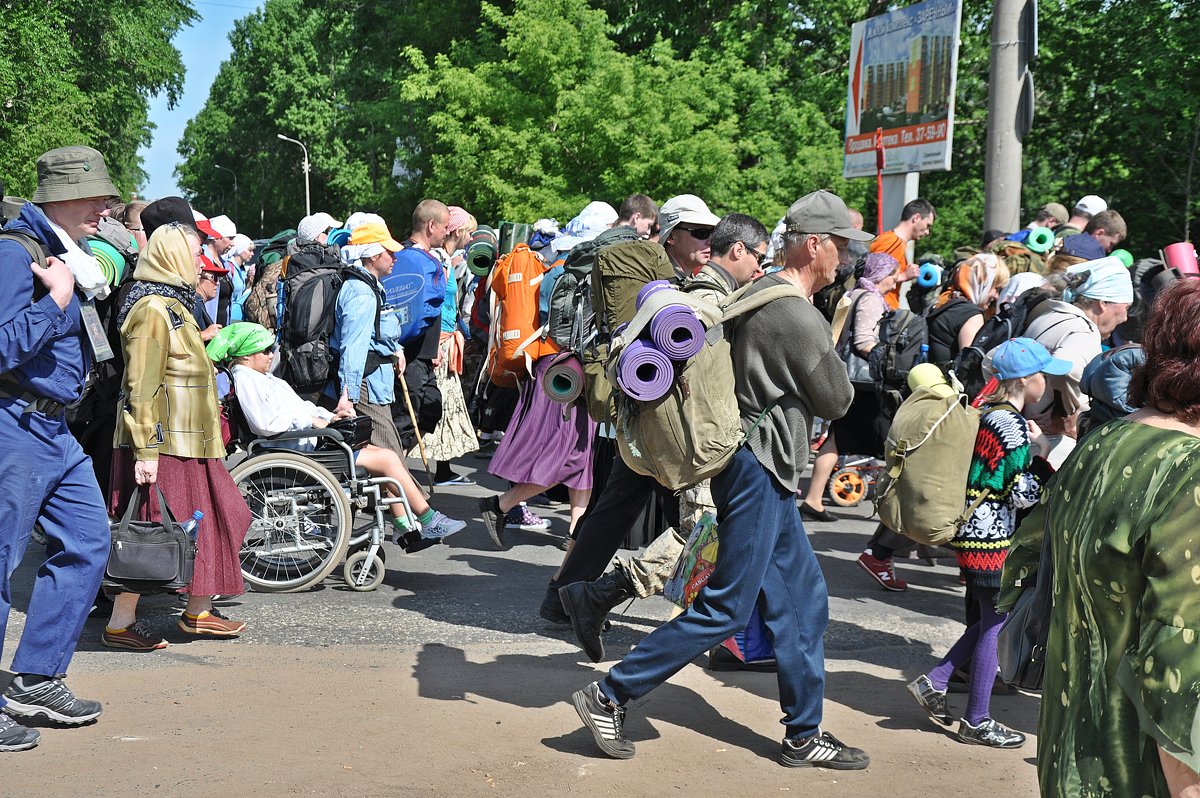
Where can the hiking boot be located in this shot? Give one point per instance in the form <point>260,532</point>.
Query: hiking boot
<point>50,699</point>
<point>882,571</point>
<point>587,604</point>
<point>211,623</point>
<point>15,737</point>
<point>135,637</point>
<point>932,700</point>
<point>441,527</point>
<point>552,608</point>
<point>493,519</point>
<point>822,751</point>
<point>604,720</point>
<point>989,733</point>
<point>523,518</point>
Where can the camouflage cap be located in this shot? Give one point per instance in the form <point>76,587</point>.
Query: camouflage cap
<point>71,173</point>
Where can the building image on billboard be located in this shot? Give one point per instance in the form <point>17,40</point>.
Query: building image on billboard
<point>902,80</point>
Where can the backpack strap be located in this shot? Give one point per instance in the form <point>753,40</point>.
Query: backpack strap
<point>37,254</point>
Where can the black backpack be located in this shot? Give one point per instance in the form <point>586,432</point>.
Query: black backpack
<point>310,289</point>
<point>902,334</point>
<point>1010,322</point>
<point>571,316</point>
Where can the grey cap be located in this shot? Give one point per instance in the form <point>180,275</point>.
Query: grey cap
<point>72,173</point>
<point>823,212</point>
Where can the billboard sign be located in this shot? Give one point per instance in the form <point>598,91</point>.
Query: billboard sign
<point>903,68</point>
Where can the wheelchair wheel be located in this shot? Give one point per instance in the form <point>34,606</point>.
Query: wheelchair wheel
<point>370,571</point>
<point>301,524</point>
<point>847,487</point>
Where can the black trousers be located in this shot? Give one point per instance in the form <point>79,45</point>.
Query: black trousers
<point>606,523</point>
<point>426,400</point>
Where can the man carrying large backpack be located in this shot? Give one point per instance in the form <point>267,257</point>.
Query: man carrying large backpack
<point>417,289</point>
<point>786,370</point>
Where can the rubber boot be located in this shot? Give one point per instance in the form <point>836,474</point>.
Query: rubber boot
<point>589,602</point>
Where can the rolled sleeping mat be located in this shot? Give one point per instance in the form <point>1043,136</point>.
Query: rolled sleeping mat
<point>929,276</point>
<point>650,288</point>
<point>676,332</point>
<point>563,381</point>
<point>481,251</point>
<point>644,373</point>
<point>1123,255</point>
<point>338,237</point>
<point>1040,240</point>
<point>1181,256</point>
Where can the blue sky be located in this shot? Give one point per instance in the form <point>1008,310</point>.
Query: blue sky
<point>204,46</point>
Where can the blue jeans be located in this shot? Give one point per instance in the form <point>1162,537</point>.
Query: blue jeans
<point>49,480</point>
<point>763,558</point>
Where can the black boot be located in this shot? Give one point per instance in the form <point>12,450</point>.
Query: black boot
<point>589,602</point>
<point>552,608</point>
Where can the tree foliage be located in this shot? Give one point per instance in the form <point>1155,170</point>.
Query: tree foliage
<point>75,72</point>
<point>527,108</point>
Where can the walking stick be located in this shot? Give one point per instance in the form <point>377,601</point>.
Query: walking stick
<point>420,438</point>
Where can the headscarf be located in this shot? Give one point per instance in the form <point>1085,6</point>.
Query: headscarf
<point>239,340</point>
<point>1108,281</point>
<point>974,280</point>
<point>167,268</point>
<point>241,245</point>
<point>1019,284</point>
<point>458,217</point>
<point>878,266</point>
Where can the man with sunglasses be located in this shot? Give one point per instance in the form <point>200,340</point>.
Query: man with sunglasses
<point>685,223</point>
<point>739,251</point>
<point>207,288</point>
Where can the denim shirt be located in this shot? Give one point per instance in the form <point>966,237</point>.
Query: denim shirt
<point>354,336</point>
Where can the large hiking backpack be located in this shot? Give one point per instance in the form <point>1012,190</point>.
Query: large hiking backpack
<point>570,315</point>
<point>692,432</point>
<point>114,234</point>
<point>416,288</point>
<point>1009,323</point>
<point>902,334</point>
<point>262,304</point>
<point>928,456</point>
<point>515,335</point>
<point>620,271</point>
<point>313,277</point>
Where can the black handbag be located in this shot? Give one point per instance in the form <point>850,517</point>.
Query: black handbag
<point>355,430</point>
<point>1021,644</point>
<point>149,557</point>
<point>858,368</point>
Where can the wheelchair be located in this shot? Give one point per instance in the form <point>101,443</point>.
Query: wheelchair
<point>304,505</point>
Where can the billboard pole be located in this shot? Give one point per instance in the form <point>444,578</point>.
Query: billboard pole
<point>879,164</point>
<point>1002,171</point>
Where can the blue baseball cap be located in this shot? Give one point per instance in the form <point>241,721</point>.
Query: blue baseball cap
<point>1023,357</point>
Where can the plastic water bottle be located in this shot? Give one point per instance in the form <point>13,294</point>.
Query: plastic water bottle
<point>924,356</point>
<point>192,528</point>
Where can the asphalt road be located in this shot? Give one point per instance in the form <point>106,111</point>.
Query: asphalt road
<point>444,681</point>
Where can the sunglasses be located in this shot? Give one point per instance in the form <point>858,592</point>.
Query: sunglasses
<point>698,233</point>
<point>212,278</point>
<point>760,257</point>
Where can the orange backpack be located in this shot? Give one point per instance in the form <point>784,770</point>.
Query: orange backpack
<point>515,338</point>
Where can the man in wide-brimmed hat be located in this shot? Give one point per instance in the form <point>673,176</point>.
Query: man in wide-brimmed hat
<point>46,353</point>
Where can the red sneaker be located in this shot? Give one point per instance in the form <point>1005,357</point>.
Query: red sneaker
<point>882,571</point>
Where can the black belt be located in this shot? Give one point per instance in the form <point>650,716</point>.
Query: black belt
<point>11,389</point>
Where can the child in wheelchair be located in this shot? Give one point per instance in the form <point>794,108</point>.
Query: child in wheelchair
<point>270,407</point>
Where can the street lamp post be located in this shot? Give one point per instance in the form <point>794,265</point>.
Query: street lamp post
<point>307,194</point>
<point>236,215</point>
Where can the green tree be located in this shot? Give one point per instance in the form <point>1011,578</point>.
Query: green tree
<point>73,72</point>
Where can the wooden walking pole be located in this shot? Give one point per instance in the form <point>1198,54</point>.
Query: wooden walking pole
<point>420,438</point>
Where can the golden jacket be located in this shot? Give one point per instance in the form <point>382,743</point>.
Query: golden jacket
<point>168,402</point>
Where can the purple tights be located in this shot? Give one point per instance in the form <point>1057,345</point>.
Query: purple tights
<point>977,646</point>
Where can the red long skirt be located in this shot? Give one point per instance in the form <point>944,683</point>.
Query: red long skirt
<point>191,484</point>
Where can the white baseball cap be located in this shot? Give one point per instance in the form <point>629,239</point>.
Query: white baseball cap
<point>683,209</point>
<point>1091,205</point>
